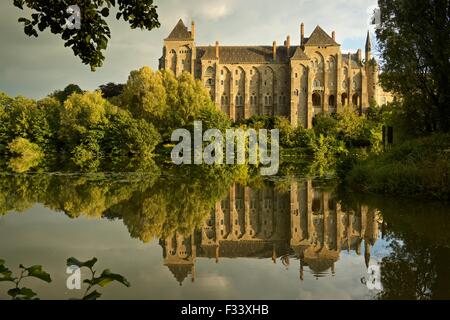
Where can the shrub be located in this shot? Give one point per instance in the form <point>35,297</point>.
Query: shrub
<point>419,167</point>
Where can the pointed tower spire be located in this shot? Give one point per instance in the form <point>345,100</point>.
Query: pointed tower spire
<point>368,47</point>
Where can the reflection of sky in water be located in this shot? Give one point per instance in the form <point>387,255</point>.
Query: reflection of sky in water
<point>41,236</point>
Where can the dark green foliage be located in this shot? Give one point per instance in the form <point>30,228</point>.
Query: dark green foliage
<point>111,90</point>
<point>89,42</point>
<point>414,168</point>
<point>62,95</point>
<point>414,40</point>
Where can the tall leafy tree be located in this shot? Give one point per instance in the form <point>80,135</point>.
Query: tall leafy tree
<point>90,40</point>
<point>414,38</point>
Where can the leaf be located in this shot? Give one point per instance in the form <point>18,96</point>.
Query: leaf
<point>18,4</point>
<point>39,273</point>
<point>107,277</point>
<point>92,296</point>
<point>21,293</point>
<point>24,20</point>
<point>5,272</point>
<point>105,12</point>
<point>75,262</point>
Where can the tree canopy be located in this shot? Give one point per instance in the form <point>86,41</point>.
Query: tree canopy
<point>414,38</point>
<point>91,39</point>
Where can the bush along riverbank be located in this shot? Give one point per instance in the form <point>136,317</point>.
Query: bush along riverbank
<point>414,168</point>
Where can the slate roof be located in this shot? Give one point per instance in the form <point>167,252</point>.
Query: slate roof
<point>180,32</point>
<point>320,38</point>
<point>250,54</point>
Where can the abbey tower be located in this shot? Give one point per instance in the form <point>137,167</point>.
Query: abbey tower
<point>296,82</point>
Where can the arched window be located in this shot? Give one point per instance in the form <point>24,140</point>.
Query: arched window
<point>344,98</point>
<point>316,99</point>
<point>355,99</point>
<point>222,100</point>
<point>266,100</point>
<point>331,101</point>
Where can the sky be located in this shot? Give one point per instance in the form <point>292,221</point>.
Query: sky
<point>34,67</point>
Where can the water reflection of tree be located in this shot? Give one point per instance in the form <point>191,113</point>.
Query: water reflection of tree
<point>150,204</point>
<point>179,201</point>
<point>418,265</point>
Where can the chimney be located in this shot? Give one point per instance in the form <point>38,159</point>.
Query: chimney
<point>274,51</point>
<point>302,34</point>
<point>359,55</point>
<point>193,30</point>
<point>333,35</point>
<point>288,42</point>
<point>217,49</point>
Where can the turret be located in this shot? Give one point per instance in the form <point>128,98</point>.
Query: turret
<point>193,30</point>
<point>274,51</point>
<point>302,34</point>
<point>217,50</point>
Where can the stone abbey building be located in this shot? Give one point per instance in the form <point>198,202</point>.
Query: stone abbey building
<point>296,82</point>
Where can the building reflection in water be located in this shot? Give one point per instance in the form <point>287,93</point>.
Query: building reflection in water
<point>304,224</point>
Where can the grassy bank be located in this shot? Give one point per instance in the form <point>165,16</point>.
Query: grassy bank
<point>416,168</point>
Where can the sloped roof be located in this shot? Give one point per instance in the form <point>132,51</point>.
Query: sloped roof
<point>250,54</point>
<point>299,54</point>
<point>320,38</point>
<point>180,32</point>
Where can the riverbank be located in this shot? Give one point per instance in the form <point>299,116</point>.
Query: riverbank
<point>416,168</point>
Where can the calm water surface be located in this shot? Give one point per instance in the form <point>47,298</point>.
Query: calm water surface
<point>214,238</point>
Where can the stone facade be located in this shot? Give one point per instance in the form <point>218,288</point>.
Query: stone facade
<point>296,82</point>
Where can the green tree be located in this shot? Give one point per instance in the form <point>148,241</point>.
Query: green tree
<point>62,95</point>
<point>414,38</point>
<point>169,102</point>
<point>145,96</point>
<point>88,42</point>
<point>27,155</point>
<point>111,90</point>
